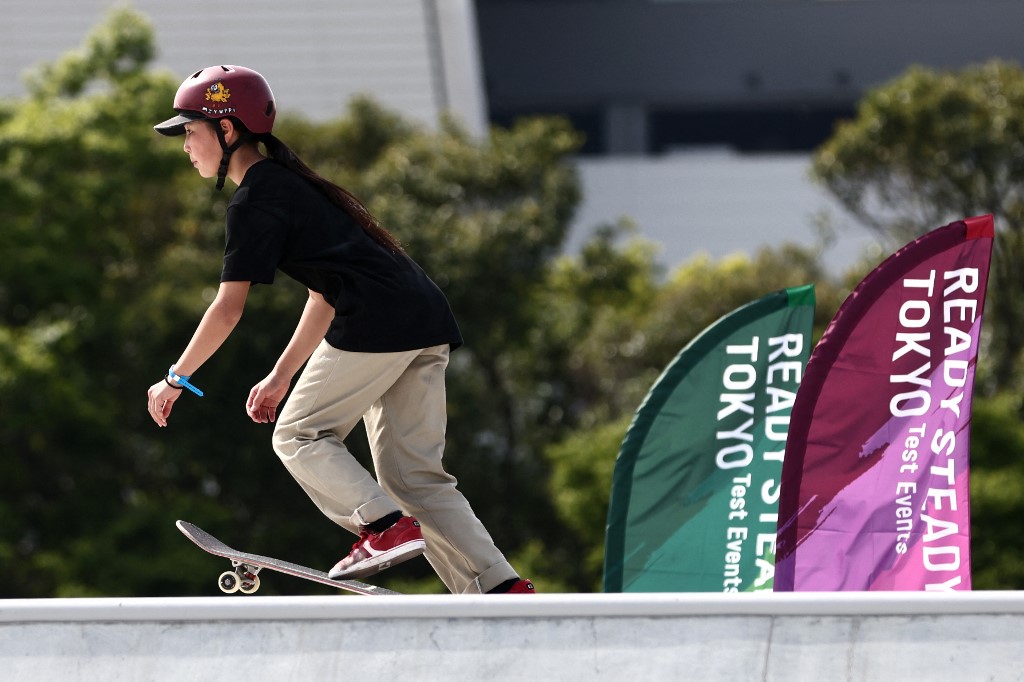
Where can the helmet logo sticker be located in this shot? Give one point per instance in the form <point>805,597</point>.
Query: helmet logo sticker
<point>217,93</point>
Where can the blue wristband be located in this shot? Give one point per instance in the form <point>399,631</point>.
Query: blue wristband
<point>183,380</point>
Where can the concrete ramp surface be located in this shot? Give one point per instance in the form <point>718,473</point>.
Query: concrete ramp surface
<point>577,637</point>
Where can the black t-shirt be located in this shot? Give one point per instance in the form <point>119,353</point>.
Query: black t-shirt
<point>383,301</point>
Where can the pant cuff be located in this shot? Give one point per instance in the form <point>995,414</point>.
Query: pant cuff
<point>376,508</point>
<point>491,578</point>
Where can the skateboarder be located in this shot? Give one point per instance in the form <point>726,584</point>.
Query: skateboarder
<point>376,332</point>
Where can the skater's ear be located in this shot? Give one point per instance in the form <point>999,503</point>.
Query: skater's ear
<point>230,130</point>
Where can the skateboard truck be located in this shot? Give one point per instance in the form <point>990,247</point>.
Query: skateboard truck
<point>243,579</point>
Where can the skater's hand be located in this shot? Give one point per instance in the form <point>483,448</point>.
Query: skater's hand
<point>265,397</point>
<point>161,400</point>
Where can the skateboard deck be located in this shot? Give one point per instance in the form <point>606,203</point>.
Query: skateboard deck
<point>244,576</point>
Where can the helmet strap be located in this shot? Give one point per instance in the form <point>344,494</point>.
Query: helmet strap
<point>225,158</point>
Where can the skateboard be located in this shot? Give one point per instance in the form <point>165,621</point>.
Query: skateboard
<point>245,577</point>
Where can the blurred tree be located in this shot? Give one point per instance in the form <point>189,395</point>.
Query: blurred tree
<point>931,147</point>
<point>83,208</point>
<point>112,251</point>
<point>997,492</point>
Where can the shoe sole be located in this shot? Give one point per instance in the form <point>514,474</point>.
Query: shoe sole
<point>392,557</point>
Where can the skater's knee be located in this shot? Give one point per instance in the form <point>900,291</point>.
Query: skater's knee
<point>418,488</point>
<point>284,440</point>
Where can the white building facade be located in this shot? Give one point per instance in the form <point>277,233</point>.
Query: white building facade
<point>418,57</point>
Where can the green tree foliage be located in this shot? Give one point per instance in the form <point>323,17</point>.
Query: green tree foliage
<point>112,251</point>
<point>111,248</point>
<point>83,207</point>
<point>997,492</point>
<point>931,147</point>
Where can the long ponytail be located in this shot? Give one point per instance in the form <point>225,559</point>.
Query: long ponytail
<point>338,195</point>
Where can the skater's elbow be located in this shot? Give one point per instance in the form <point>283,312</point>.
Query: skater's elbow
<point>229,304</point>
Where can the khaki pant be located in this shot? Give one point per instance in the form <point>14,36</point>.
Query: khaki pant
<point>401,399</point>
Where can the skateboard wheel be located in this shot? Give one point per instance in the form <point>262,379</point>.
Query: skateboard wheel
<point>229,582</point>
<point>250,585</point>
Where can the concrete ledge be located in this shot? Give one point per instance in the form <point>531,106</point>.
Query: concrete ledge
<point>798,636</point>
<point>185,609</point>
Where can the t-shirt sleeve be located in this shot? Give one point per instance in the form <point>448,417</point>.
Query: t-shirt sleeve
<point>255,243</point>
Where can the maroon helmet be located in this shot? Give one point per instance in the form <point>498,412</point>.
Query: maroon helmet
<point>219,91</point>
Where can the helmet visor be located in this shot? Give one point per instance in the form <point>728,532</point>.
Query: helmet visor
<point>176,126</point>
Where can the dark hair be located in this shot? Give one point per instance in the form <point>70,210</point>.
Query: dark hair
<point>280,152</point>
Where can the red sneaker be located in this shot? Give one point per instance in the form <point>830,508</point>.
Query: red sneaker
<point>522,587</point>
<point>376,551</point>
